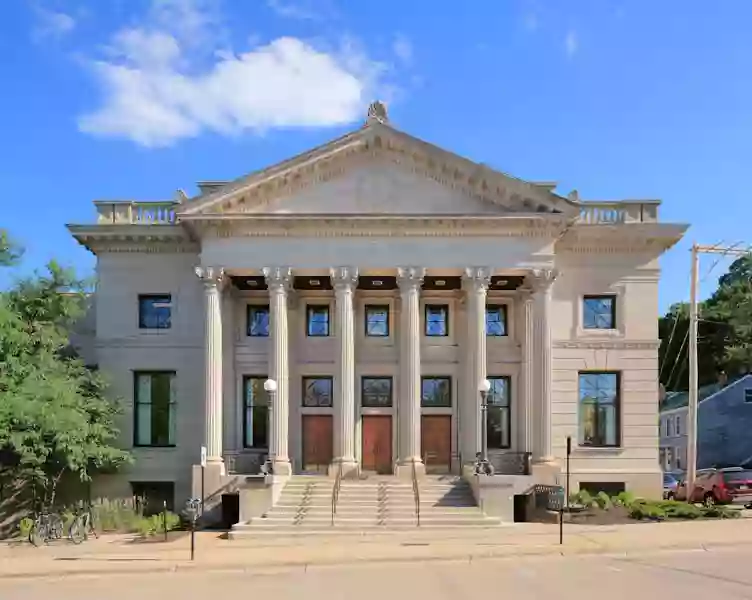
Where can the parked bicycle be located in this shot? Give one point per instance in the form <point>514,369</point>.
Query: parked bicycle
<point>47,526</point>
<point>82,525</point>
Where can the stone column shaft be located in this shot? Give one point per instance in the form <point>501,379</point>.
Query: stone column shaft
<point>410,280</point>
<point>345,281</point>
<point>212,278</point>
<point>475,281</point>
<point>542,280</point>
<point>279,282</point>
<point>528,366</point>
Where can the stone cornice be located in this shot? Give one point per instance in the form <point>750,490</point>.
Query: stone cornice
<point>642,238</point>
<point>134,238</point>
<point>607,344</point>
<point>245,225</point>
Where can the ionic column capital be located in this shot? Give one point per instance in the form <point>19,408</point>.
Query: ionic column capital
<point>211,277</point>
<point>541,280</point>
<point>410,278</point>
<point>278,278</point>
<point>476,279</point>
<point>344,278</point>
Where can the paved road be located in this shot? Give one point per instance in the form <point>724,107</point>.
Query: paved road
<point>672,576</point>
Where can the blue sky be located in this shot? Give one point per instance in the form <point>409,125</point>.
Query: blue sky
<point>136,98</point>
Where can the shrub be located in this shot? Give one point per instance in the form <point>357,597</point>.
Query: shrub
<point>582,498</point>
<point>625,499</point>
<point>24,527</point>
<point>719,512</point>
<point>148,526</point>
<point>645,510</point>
<point>122,515</point>
<point>604,501</point>
<point>679,510</point>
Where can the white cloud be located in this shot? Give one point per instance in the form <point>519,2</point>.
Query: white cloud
<point>51,24</point>
<point>571,43</point>
<point>403,49</point>
<point>299,9</point>
<point>157,90</point>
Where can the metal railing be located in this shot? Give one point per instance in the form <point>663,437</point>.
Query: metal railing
<point>416,495</point>
<point>335,491</point>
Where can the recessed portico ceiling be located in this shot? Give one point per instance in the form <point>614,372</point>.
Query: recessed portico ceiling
<point>375,147</point>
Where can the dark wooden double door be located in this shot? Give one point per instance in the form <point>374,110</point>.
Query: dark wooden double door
<point>318,448</point>
<point>377,443</point>
<point>436,442</point>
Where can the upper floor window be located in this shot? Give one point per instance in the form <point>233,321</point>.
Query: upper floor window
<point>748,395</point>
<point>499,414</point>
<point>317,391</point>
<point>317,320</point>
<point>677,427</point>
<point>599,418</point>
<point>496,320</point>
<point>437,320</point>
<point>255,413</point>
<point>376,392</point>
<point>377,320</point>
<point>436,392</point>
<point>154,311</point>
<point>257,321</point>
<point>155,404</point>
<point>599,312</point>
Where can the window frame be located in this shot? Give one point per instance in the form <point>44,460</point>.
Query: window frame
<point>253,308</point>
<point>600,297</point>
<point>154,297</point>
<point>747,395</point>
<point>503,310</point>
<point>304,381</point>
<point>448,379</point>
<point>136,404</point>
<point>246,406</point>
<point>617,411</point>
<point>382,307</point>
<point>364,379</point>
<point>318,306</point>
<point>433,306</point>
<point>508,408</point>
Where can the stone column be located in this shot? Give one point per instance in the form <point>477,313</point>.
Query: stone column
<point>528,367</point>
<point>212,278</point>
<point>475,282</point>
<point>541,281</point>
<point>279,281</point>
<point>409,280</point>
<point>345,280</point>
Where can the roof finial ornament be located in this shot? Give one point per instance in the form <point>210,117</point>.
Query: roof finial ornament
<point>377,112</point>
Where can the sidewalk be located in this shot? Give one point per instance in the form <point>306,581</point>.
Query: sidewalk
<point>120,555</point>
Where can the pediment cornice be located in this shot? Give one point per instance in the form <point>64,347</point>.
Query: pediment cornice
<point>379,143</point>
<point>629,238</point>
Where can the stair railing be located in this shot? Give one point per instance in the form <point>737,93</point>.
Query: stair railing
<point>416,495</point>
<point>335,491</point>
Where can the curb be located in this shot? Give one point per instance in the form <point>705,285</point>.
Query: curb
<point>273,567</point>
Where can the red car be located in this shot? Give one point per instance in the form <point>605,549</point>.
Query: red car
<point>718,486</point>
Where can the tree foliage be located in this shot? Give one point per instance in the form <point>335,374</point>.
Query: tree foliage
<point>55,414</point>
<point>724,331</point>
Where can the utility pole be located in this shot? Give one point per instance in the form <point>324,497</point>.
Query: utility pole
<point>693,358</point>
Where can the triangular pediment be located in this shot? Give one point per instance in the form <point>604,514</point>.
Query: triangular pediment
<point>378,170</point>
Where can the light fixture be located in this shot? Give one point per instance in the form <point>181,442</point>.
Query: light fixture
<point>377,282</point>
<point>485,386</point>
<point>440,282</point>
<point>270,386</point>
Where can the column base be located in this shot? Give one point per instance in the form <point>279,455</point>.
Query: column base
<point>350,468</point>
<point>404,470</point>
<point>281,468</point>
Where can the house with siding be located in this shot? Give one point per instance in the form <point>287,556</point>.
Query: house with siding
<point>724,419</point>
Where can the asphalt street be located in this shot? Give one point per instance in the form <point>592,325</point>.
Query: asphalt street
<point>668,576</point>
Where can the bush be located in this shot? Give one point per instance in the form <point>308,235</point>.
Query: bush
<point>679,510</point>
<point>646,510</point>
<point>719,512</point>
<point>121,515</point>
<point>582,498</point>
<point>604,501</point>
<point>625,499</point>
<point>24,527</point>
<point>149,526</point>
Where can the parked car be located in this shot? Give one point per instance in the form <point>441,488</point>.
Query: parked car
<point>718,486</point>
<point>670,482</point>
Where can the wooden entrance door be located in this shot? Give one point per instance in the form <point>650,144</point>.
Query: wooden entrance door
<point>377,443</point>
<point>317,442</point>
<point>436,442</point>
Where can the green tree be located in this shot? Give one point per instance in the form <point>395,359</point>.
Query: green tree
<point>55,414</point>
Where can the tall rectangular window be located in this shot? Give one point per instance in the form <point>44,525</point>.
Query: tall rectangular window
<point>499,413</point>
<point>155,405</point>
<point>496,320</point>
<point>678,426</point>
<point>669,427</point>
<point>317,320</point>
<point>377,320</point>
<point>255,412</point>
<point>599,409</point>
<point>376,392</point>
<point>436,392</point>
<point>599,312</point>
<point>437,320</point>
<point>257,321</point>
<point>154,311</point>
<point>317,391</point>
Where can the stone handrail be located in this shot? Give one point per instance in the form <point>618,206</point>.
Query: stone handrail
<point>129,212</point>
<point>615,213</point>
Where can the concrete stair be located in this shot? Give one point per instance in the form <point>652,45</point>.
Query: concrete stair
<point>372,504</point>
